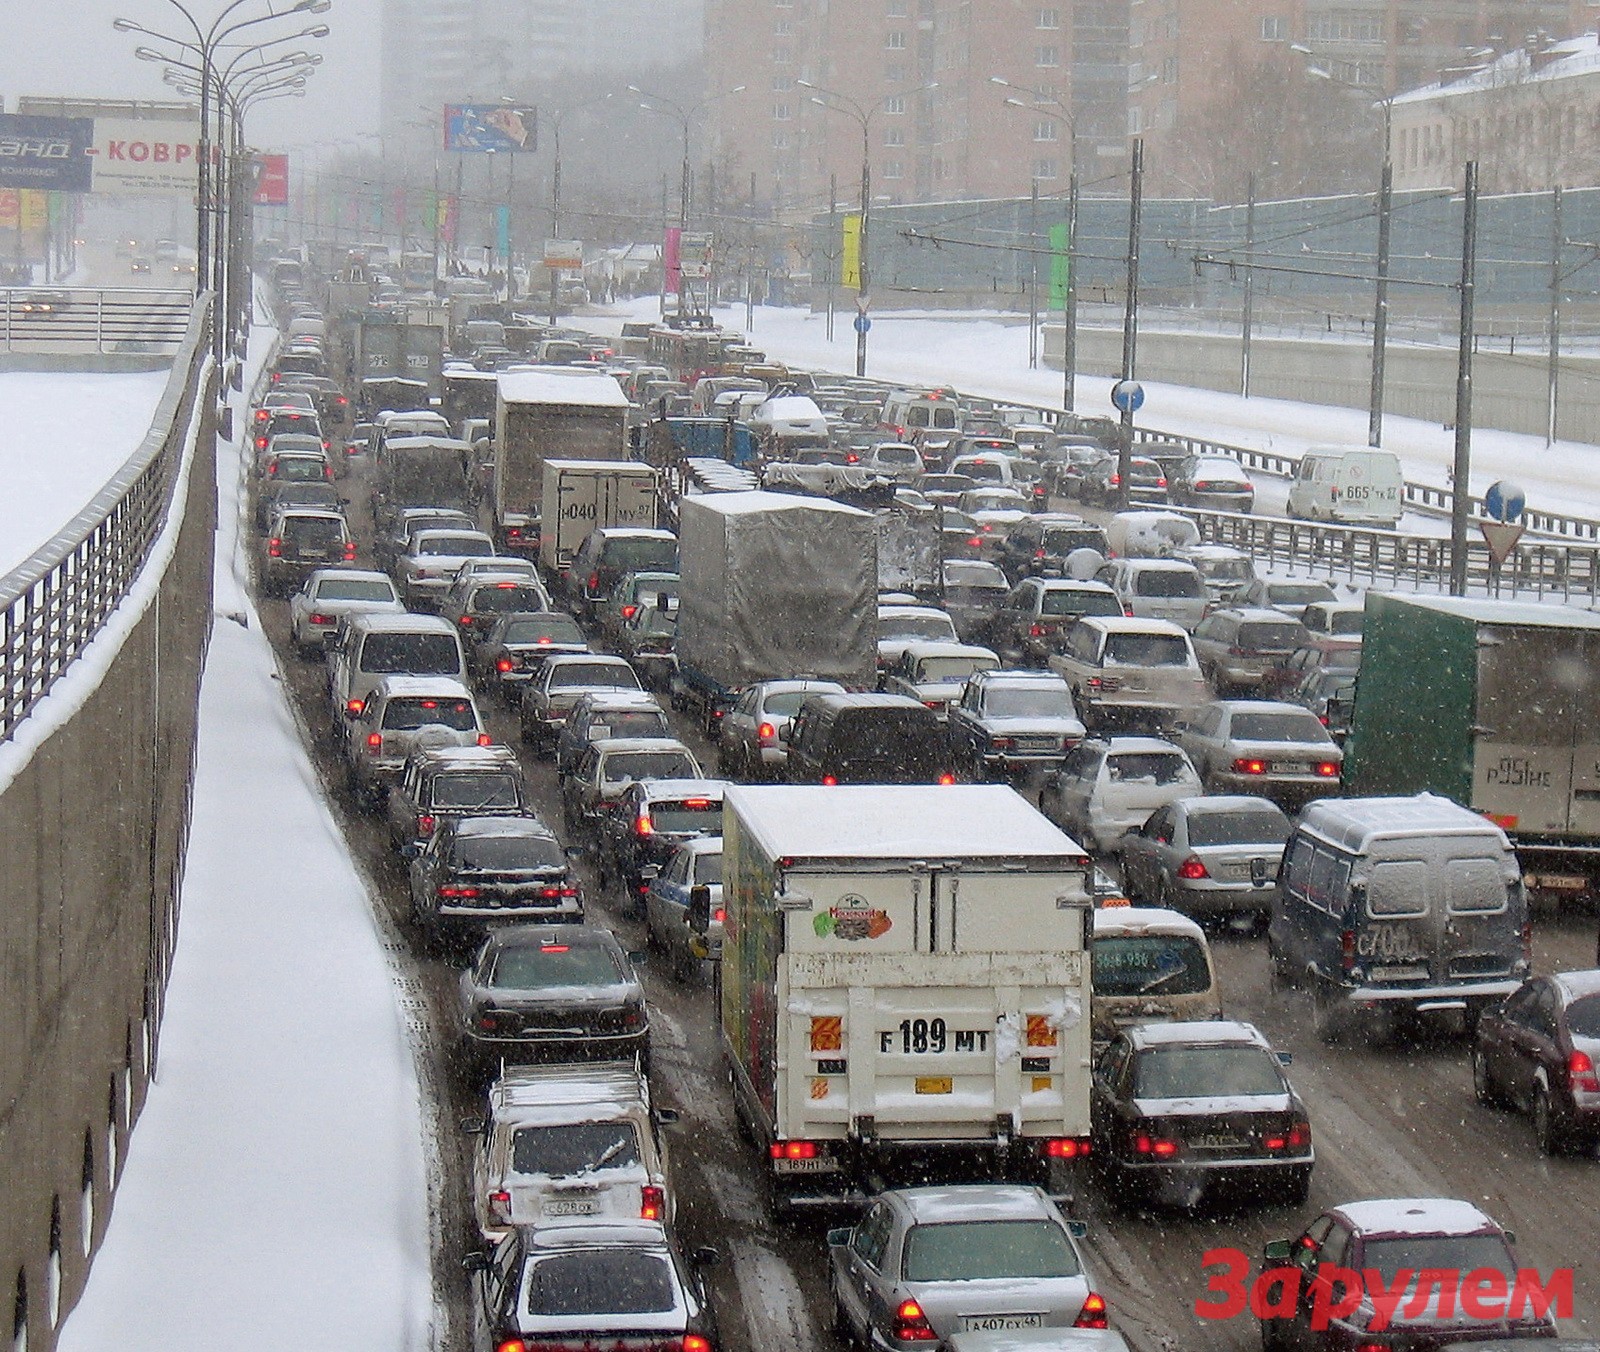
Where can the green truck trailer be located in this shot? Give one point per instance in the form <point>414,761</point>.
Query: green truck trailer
<point>1496,705</point>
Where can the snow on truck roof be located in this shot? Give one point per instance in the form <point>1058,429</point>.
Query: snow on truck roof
<point>759,500</point>
<point>1485,611</point>
<point>562,385</point>
<point>901,821</point>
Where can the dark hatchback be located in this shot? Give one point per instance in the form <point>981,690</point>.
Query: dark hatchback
<point>516,647</point>
<point>1538,1052</point>
<point>475,872</point>
<point>550,993</point>
<point>868,739</point>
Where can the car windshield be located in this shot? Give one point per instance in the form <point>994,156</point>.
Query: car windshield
<point>1456,1253</point>
<point>573,1148</point>
<point>416,654</point>
<point>1178,582</point>
<point>607,674</point>
<point>602,1282</point>
<point>1069,601</point>
<point>1268,637</point>
<point>1226,570</point>
<point>915,626</point>
<point>555,629</point>
<point>501,598</point>
<point>940,670</point>
<point>1206,1072</point>
<point>1044,701</point>
<point>1147,767</point>
<point>1147,650</point>
<point>1254,827</point>
<point>457,546</point>
<point>1298,593</point>
<point>473,789</point>
<point>527,967</point>
<point>354,589</point>
<point>699,814</point>
<point>1140,964</point>
<point>1298,726</point>
<point>626,766</point>
<point>628,723</point>
<point>508,854</point>
<point>975,1251</point>
<point>970,573</point>
<point>1583,1017</point>
<point>641,556</point>
<point>409,714</point>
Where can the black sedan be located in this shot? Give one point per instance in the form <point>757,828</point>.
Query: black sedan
<point>512,652</point>
<point>1179,1107</point>
<point>474,872</point>
<point>1102,484</point>
<point>550,993</point>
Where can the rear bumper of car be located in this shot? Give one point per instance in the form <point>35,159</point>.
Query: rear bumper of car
<point>559,1045</point>
<point>1299,788</point>
<point>1208,896</point>
<point>1449,995</point>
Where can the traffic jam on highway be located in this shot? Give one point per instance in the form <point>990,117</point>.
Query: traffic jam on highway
<point>869,891</point>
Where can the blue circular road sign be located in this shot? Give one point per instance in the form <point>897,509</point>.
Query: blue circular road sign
<point>1504,500</point>
<point>1127,396</point>
<point>862,323</point>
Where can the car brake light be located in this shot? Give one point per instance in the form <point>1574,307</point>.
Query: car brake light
<point>1247,766</point>
<point>1581,1074</point>
<point>425,824</point>
<point>976,541</point>
<point>719,915</point>
<point>275,547</point>
<point>485,740</point>
<point>594,581</point>
<point>829,780</point>
<point>1193,867</point>
<point>767,734</point>
<point>318,618</point>
<point>374,742</point>
<point>1002,743</point>
<point>350,552</point>
<point>1066,1147</point>
<point>355,706</point>
<point>793,1150</point>
<point>911,1325</point>
<point>511,1345</point>
<point>1161,483</point>
<point>652,1202</point>
<point>504,664</point>
<point>263,414</point>
<point>628,612</point>
<point>695,1342</point>
<point>1035,631</point>
<point>500,1204</point>
<point>1115,480</point>
<point>513,532</point>
<point>1093,1313</point>
<point>556,893</point>
<point>947,778</point>
<point>1347,949</point>
<point>643,826</point>
<point>1300,1135</point>
<point>1328,769</point>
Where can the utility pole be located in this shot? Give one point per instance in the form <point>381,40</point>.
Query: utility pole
<point>750,262</point>
<point>1130,318</point>
<point>1069,303</point>
<point>829,254</point>
<point>1380,310</point>
<point>664,228</point>
<point>1553,415</point>
<point>863,281</point>
<point>1033,276</point>
<point>1460,490</point>
<point>1247,319</point>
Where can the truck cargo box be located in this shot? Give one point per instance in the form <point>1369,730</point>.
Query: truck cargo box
<point>581,496</point>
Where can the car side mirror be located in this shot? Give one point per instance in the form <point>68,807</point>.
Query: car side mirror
<point>1078,1229</point>
<point>699,916</point>
<point>650,872</point>
<point>475,1261</point>
<point>1277,1251</point>
<point>473,1126</point>
<point>668,1117</point>
<point>839,1237</point>
<point>638,957</point>
<point>410,850</point>
<point>705,1256</point>
<point>576,852</point>
<point>1511,1237</point>
<point>1285,1059</point>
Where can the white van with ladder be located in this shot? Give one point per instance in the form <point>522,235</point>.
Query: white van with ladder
<point>1354,487</point>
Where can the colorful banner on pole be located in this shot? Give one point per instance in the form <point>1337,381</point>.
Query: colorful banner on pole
<point>670,255</point>
<point>1060,265</point>
<point>850,255</point>
<point>46,153</point>
<point>272,181</point>
<point>490,128</point>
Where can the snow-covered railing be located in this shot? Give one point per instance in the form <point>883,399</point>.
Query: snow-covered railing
<point>56,601</point>
<point>146,321</point>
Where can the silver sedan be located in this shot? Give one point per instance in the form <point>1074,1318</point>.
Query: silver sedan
<point>1207,856</point>
<point>927,1263</point>
<point>1279,751</point>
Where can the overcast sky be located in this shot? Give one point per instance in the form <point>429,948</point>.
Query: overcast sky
<point>68,48</point>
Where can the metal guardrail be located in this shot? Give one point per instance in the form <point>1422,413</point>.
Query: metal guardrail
<point>107,320</point>
<point>56,601</point>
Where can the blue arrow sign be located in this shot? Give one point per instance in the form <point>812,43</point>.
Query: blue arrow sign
<point>1127,396</point>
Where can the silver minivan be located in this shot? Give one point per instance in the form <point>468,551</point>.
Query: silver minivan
<point>1398,906</point>
<point>368,647</point>
<point>1159,589</point>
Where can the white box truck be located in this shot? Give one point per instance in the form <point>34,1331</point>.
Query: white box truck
<point>904,986</point>
<point>581,496</point>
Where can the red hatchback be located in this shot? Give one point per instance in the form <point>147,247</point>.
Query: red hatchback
<point>1539,1051</point>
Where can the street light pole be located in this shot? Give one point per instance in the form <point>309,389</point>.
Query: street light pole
<point>1130,320</point>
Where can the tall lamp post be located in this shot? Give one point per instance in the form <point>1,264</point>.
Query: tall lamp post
<point>655,103</point>
<point>863,114</point>
<point>555,185</point>
<point>1054,110</point>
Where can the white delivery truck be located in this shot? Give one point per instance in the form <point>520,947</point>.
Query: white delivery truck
<point>581,496</point>
<point>904,986</point>
<point>1359,487</point>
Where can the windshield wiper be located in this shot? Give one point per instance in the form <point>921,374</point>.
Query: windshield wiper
<point>606,1156</point>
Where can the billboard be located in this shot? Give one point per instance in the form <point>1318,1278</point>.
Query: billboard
<point>271,181</point>
<point>563,253</point>
<point>490,128</point>
<point>695,255</point>
<point>132,155</point>
<point>45,153</point>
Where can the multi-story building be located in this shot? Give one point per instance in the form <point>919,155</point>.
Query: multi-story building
<point>909,86</point>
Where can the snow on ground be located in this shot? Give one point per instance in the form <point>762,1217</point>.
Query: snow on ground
<point>63,435</point>
<point>984,356</point>
<point>274,1194</point>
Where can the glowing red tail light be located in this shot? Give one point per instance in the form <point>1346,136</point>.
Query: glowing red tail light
<point>1161,483</point>
<point>1347,949</point>
<point>1115,480</point>
<point>504,664</point>
<point>449,893</point>
<point>652,1203</point>
<point>793,1150</point>
<point>1193,867</point>
<point>947,778</point>
<point>466,621</point>
<point>1035,631</point>
<point>425,824</point>
<point>511,1345</point>
<point>1093,1313</point>
<point>374,742</point>
<point>355,706</point>
<point>911,1325</point>
<point>1248,766</point>
<point>720,915</point>
<point>350,552</point>
<point>767,734</point>
<point>628,612</point>
<point>485,740</point>
<point>594,581</point>
<point>695,1342</point>
<point>1581,1074</point>
<point>1328,769</point>
<point>318,618</point>
<point>643,826</point>
<point>829,780</point>
<point>1066,1147</point>
<point>275,547</point>
<point>500,1205</point>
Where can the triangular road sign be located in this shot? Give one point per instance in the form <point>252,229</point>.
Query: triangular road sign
<point>1501,537</point>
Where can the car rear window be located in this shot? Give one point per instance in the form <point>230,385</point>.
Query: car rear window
<point>915,626</point>
<point>1147,767</point>
<point>508,854</point>
<point>939,669</point>
<point>632,765</point>
<point>1206,1072</point>
<point>408,714</point>
<point>412,654</point>
<point>1346,623</point>
<point>556,629</point>
<point>354,589</point>
<point>885,740</point>
<point>1298,593</point>
<point>1265,637</point>
<point>311,532</point>
<point>501,598</point>
<point>1458,1253</point>
<point>594,674</point>
<point>574,1147</point>
<point>1226,570</point>
<point>640,556</point>
<point>475,791</point>
<point>1064,540</point>
<point>708,869</point>
<point>1299,726</point>
<point>1238,828</point>
<point>601,1281</point>
<point>896,455</point>
<point>1141,964</point>
<point>629,723</point>
<point>527,967</point>
<point>965,1251</point>
<point>1147,650</point>
<point>457,546</point>
<point>1583,1016</point>
<point>1176,582</point>
<point>1066,601</point>
<point>698,814</point>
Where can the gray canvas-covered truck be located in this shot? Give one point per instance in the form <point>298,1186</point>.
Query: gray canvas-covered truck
<point>904,984</point>
<point>774,585</point>
<point>1492,704</point>
<point>548,413</point>
<point>386,350</point>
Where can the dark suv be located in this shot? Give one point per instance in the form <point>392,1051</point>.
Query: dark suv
<point>608,553</point>
<point>868,739</point>
<point>1039,547</point>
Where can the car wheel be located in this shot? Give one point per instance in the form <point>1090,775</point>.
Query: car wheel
<point>843,1329</point>
<point>1329,1016</point>
<point>1482,1081</point>
<point>1281,978</point>
<point>1546,1127</point>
